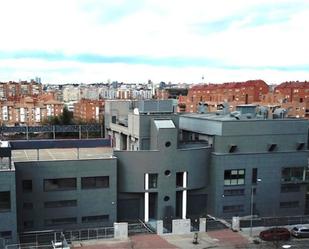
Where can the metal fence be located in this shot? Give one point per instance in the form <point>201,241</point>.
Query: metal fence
<point>139,228</point>
<point>275,221</point>
<point>27,130</point>
<point>45,238</point>
<point>28,246</point>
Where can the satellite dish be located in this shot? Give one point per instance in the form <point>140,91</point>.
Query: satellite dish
<point>135,111</point>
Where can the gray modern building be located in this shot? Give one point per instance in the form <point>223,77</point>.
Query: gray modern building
<point>162,166</point>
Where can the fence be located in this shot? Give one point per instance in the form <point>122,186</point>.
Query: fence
<point>275,221</point>
<point>45,238</point>
<point>52,129</point>
<point>139,228</point>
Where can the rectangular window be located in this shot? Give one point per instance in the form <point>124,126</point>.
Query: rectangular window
<point>295,174</point>
<point>27,205</point>
<point>287,188</point>
<point>59,204</point>
<point>6,234</point>
<point>60,221</point>
<point>5,201</point>
<point>95,218</point>
<point>233,208</point>
<point>289,204</point>
<point>95,182</point>
<point>59,184</point>
<point>27,186</point>
<point>179,179</point>
<point>254,175</point>
<point>152,181</point>
<point>234,192</point>
<point>234,177</point>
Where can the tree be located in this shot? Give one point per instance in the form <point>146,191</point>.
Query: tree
<point>66,117</point>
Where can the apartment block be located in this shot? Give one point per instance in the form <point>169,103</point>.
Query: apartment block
<point>235,93</point>
<point>87,110</point>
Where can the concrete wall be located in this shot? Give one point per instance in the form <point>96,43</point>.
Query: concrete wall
<point>8,219</point>
<point>268,191</point>
<point>90,202</point>
<point>133,165</point>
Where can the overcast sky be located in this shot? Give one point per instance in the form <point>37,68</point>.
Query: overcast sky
<point>162,40</point>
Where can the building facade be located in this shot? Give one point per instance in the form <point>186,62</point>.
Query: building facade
<point>163,166</point>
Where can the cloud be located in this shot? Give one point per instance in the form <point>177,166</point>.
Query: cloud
<point>256,35</point>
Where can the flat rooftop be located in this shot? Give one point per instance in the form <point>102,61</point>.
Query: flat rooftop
<point>61,154</point>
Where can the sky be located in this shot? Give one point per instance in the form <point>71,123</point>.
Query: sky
<point>195,41</point>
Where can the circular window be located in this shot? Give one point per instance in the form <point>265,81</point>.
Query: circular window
<point>167,172</point>
<point>166,198</point>
<point>168,144</point>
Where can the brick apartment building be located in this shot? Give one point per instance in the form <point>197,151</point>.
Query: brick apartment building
<point>17,89</point>
<point>293,96</point>
<point>24,103</point>
<point>28,110</point>
<point>87,110</point>
<point>235,93</point>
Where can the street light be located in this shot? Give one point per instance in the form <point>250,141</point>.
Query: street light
<point>251,205</point>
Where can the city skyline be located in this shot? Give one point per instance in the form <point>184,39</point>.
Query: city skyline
<point>133,41</point>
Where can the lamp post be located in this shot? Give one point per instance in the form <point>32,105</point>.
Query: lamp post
<point>251,205</point>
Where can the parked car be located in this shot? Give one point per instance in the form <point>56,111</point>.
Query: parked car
<point>300,232</point>
<point>275,234</point>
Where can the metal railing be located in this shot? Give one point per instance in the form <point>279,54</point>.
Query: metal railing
<point>275,221</point>
<point>45,237</point>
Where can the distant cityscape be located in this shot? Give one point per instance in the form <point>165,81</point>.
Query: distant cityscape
<point>33,103</point>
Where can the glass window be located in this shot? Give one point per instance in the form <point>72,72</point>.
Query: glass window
<point>59,184</point>
<point>6,234</point>
<point>233,208</point>
<point>179,179</point>
<point>60,221</point>
<point>286,188</point>
<point>57,204</point>
<point>289,204</point>
<point>254,175</point>
<point>234,192</point>
<point>295,174</point>
<point>5,201</point>
<point>234,177</point>
<point>153,181</point>
<point>95,218</point>
<point>95,182</point>
<point>27,185</point>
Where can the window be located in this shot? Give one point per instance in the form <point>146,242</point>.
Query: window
<point>254,175</point>
<point>5,201</point>
<point>153,181</point>
<point>27,205</point>
<point>286,188</point>
<point>295,174</point>
<point>179,179</point>
<point>95,182</point>
<point>95,219</point>
<point>234,177</point>
<point>58,204</point>
<point>289,204</point>
<point>59,184</point>
<point>60,221</point>
<point>6,234</point>
<point>27,186</point>
<point>233,208</point>
<point>234,192</point>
